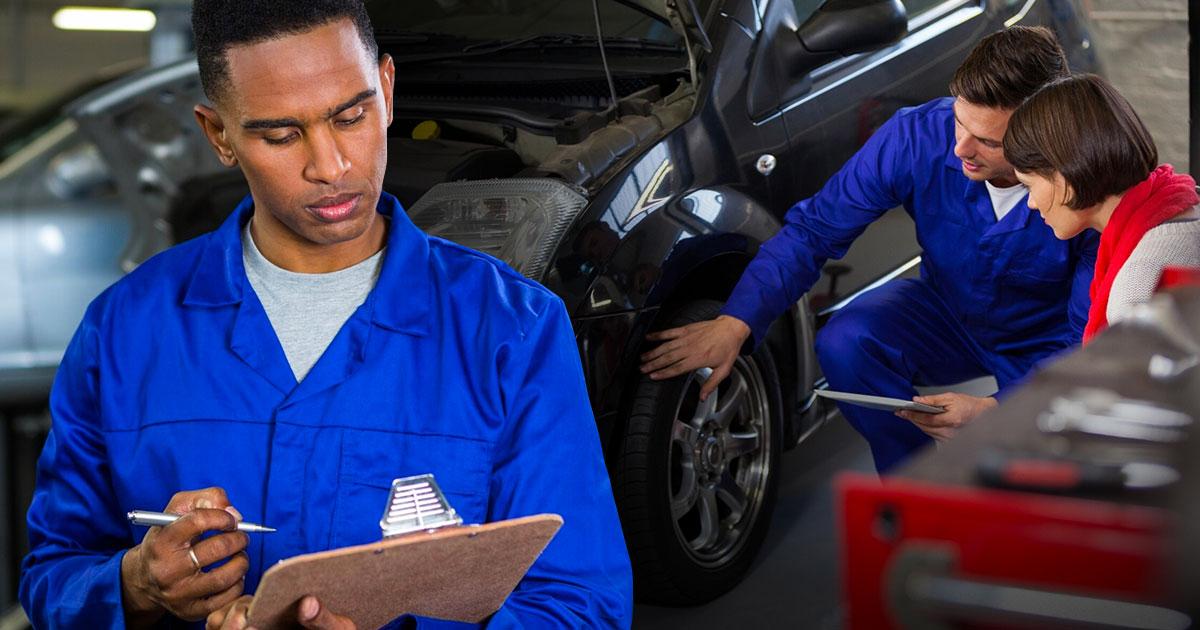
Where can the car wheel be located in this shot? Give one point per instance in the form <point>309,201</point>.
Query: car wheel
<point>695,482</point>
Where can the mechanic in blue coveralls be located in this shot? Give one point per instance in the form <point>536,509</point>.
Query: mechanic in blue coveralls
<point>997,291</point>
<point>288,366</point>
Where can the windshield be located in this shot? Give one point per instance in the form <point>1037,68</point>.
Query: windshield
<point>26,127</point>
<point>491,20</point>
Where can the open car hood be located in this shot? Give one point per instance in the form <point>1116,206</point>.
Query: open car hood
<point>680,14</point>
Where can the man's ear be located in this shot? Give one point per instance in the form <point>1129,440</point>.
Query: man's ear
<point>387,81</point>
<point>214,129</point>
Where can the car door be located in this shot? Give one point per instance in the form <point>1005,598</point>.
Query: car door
<point>71,229</point>
<point>831,112</point>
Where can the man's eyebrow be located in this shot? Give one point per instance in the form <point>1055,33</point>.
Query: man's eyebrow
<point>272,123</point>
<point>278,123</point>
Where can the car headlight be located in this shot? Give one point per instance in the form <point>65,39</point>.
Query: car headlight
<point>519,221</point>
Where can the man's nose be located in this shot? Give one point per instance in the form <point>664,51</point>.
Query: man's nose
<point>326,162</point>
<point>964,148</point>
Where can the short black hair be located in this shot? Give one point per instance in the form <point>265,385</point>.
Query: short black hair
<point>1083,128</point>
<point>218,25</point>
<point>1008,66</point>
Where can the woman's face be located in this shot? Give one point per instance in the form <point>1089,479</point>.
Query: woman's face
<point>1048,195</point>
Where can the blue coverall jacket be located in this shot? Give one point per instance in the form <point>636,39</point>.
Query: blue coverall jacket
<point>995,297</point>
<point>455,365</point>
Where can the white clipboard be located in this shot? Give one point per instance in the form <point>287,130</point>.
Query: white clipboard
<point>879,402</point>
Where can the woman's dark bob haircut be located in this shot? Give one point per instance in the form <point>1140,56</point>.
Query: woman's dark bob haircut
<point>1083,128</point>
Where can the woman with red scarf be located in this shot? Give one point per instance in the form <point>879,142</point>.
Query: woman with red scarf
<point>1089,162</point>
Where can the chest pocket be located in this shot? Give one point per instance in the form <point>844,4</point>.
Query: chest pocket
<point>1026,291</point>
<point>1038,275</point>
<point>1048,267</point>
<point>1034,293</point>
<point>372,459</point>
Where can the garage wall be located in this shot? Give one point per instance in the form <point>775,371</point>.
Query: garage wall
<point>1143,44</point>
<point>38,60</point>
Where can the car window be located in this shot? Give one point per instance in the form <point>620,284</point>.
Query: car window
<point>513,19</point>
<point>805,8</point>
<point>917,7</point>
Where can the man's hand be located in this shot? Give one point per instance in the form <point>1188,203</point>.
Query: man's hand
<point>713,344</point>
<point>163,574</point>
<point>233,616</point>
<point>960,409</point>
<point>309,614</point>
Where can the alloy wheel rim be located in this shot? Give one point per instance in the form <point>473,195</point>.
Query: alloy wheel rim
<point>719,463</point>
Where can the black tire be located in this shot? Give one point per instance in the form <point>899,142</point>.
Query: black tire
<point>662,466</point>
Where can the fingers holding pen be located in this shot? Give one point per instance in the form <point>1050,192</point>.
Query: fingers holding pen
<point>167,571</point>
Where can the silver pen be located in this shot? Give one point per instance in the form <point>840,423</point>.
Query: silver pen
<point>159,519</point>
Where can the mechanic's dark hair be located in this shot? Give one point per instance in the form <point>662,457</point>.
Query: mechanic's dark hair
<point>1083,128</point>
<point>1008,66</point>
<point>220,24</point>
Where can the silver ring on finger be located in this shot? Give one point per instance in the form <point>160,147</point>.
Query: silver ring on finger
<point>195,560</point>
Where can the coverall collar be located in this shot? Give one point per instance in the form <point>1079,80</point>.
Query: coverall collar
<point>401,297</point>
<point>976,197</point>
<point>953,162</point>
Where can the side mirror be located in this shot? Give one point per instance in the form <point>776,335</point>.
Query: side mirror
<point>78,173</point>
<point>844,27</point>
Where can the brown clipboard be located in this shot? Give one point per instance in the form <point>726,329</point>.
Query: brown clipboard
<point>461,573</point>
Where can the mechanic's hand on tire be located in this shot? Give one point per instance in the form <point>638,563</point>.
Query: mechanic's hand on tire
<point>164,573</point>
<point>713,344</point>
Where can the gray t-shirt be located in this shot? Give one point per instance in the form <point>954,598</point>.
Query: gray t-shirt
<point>307,309</point>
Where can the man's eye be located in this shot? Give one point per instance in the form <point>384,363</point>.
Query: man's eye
<point>352,121</point>
<point>279,141</point>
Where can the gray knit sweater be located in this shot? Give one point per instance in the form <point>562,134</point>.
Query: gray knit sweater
<point>1175,243</point>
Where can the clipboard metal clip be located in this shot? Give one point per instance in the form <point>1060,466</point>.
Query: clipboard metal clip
<point>416,504</point>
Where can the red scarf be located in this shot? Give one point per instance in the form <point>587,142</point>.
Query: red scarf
<point>1163,196</point>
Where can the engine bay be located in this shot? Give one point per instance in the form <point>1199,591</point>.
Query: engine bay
<point>558,129</point>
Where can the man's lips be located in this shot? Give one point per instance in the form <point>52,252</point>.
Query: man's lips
<point>970,166</point>
<point>335,208</point>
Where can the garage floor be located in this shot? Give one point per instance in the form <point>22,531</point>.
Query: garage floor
<point>1143,45</point>
<point>796,575</point>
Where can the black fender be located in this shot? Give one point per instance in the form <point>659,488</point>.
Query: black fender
<point>695,246</point>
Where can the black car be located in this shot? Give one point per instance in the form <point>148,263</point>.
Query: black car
<point>640,212</point>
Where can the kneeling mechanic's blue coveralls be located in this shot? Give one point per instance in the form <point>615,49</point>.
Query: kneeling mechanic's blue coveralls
<point>455,365</point>
<point>994,297</point>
